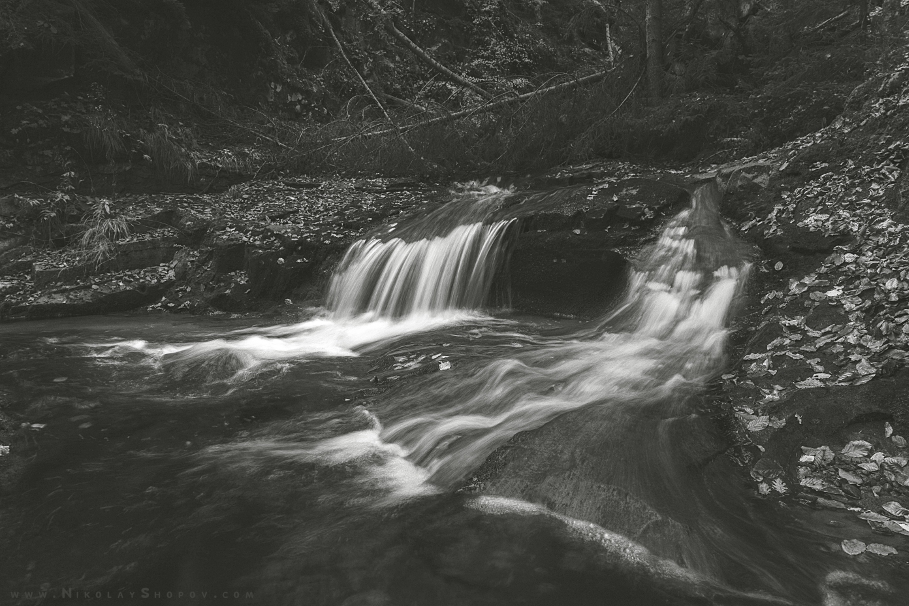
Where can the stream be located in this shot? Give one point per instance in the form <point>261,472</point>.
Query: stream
<point>506,459</point>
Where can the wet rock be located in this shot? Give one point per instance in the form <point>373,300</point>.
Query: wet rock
<point>565,273</point>
<point>130,255</point>
<point>750,176</point>
<point>809,242</point>
<point>272,276</point>
<point>228,257</point>
<point>16,260</point>
<point>829,416</point>
<point>87,301</point>
<point>192,226</point>
<point>201,368</point>
<point>234,298</point>
<point>569,256</point>
<point>561,466</point>
<point>605,206</point>
<point>824,315</point>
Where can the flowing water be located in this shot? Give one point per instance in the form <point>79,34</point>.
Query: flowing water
<point>543,462</point>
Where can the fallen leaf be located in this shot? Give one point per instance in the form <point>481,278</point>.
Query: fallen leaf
<point>849,477</point>
<point>888,430</point>
<point>830,503</point>
<point>853,547</point>
<point>897,527</point>
<point>856,449</point>
<point>872,466</point>
<point>758,424</point>
<point>873,517</point>
<point>813,483</point>
<point>446,365</point>
<point>900,441</point>
<point>895,509</point>
<point>780,486</point>
<point>822,454</point>
<point>881,550</point>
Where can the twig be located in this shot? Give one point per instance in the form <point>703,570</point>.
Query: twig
<point>365,85</point>
<point>226,119</point>
<point>829,21</point>
<point>490,106</point>
<point>423,55</point>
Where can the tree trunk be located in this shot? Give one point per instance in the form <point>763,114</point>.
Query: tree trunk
<point>654,34</point>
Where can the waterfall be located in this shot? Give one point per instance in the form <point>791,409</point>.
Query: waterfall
<point>395,278</point>
<point>444,261</point>
<point>666,339</point>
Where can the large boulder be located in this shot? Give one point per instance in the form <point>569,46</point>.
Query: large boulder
<point>570,254</point>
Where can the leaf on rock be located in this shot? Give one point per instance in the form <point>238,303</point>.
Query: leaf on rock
<point>873,517</point>
<point>830,503</point>
<point>810,383</point>
<point>813,482</point>
<point>895,509</point>
<point>853,547</point>
<point>896,461</point>
<point>856,449</point>
<point>758,424</point>
<point>849,477</point>
<point>897,527</point>
<point>880,549</point>
<point>822,454</point>
<point>865,368</point>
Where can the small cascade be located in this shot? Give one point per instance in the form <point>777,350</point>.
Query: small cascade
<point>664,341</point>
<point>395,278</point>
<point>435,271</point>
<point>444,261</point>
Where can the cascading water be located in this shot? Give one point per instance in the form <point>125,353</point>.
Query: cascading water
<point>536,469</point>
<point>396,278</point>
<point>437,271</point>
<point>665,339</point>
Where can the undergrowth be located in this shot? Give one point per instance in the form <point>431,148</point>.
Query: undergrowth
<point>103,229</point>
<point>167,146</point>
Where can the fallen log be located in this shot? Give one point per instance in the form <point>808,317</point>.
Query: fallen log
<point>488,106</point>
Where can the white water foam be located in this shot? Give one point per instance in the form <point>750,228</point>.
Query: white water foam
<point>382,290</point>
<point>666,339</point>
<point>385,476</point>
<point>395,278</point>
